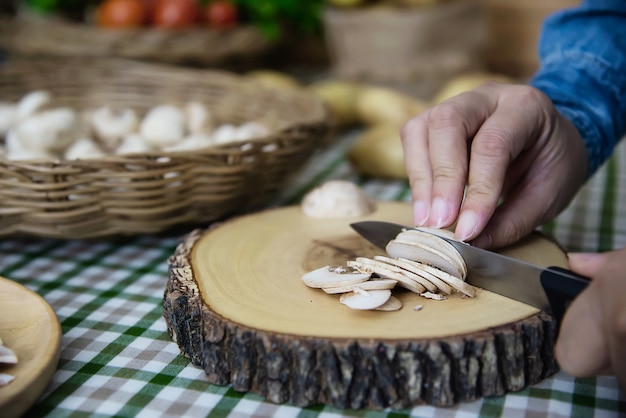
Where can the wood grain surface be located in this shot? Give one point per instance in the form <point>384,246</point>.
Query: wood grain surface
<point>29,326</point>
<point>236,305</point>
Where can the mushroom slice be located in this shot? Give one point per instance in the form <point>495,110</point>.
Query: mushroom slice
<point>430,282</point>
<point>436,244</point>
<point>424,254</point>
<point>393,304</point>
<point>7,356</point>
<point>6,378</point>
<point>365,300</point>
<point>387,271</point>
<point>434,296</point>
<point>372,284</point>
<point>415,267</point>
<point>328,276</point>
<point>452,280</point>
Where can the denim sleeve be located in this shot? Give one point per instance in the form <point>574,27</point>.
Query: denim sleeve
<point>583,71</point>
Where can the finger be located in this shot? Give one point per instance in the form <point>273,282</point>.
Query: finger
<point>587,264</point>
<point>603,308</point>
<point>451,127</point>
<point>510,130</point>
<point>414,137</point>
<point>582,346</point>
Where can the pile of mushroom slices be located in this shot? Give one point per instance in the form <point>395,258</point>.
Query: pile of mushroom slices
<point>7,357</point>
<point>418,260</point>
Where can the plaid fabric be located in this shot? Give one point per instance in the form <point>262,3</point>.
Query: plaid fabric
<point>117,359</point>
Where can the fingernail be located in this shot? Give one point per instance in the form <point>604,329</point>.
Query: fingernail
<point>440,212</point>
<point>466,227</point>
<point>420,213</point>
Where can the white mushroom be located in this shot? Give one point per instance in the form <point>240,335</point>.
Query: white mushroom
<point>372,284</point>
<point>433,240</point>
<point>198,118</point>
<point>418,252</point>
<point>392,304</point>
<point>337,199</point>
<point>7,356</point>
<point>16,149</point>
<point>250,130</point>
<point>163,126</point>
<point>50,130</point>
<point>32,103</point>
<point>225,133</point>
<point>6,378</point>
<point>132,143</point>
<point>191,142</point>
<point>111,126</point>
<point>329,276</point>
<point>83,148</point>
<point>365,300</point>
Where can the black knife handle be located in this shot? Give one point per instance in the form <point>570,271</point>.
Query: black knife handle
<point>561,287</point>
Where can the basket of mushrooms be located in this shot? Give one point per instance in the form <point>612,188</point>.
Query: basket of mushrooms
<point>96,148</point>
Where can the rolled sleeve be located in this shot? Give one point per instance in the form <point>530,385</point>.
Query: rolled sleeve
<point>583,71</point>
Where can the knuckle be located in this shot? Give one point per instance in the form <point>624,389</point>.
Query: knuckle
<point>493,143</point>
<point>411,129</point>
<point>445,171</point>
<point>444,115</point>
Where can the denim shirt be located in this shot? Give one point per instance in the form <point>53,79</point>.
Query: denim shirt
<point>583,71</point>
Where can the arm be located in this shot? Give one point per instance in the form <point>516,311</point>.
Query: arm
<point>583,71</point>
<point>531,146</point>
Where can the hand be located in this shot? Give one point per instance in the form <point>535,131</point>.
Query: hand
<point>592,339</point>
<point>504,142</point>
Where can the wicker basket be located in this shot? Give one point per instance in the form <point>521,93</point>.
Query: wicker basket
<point>424,45</point>
<point>147,193</point>
<point>40,37</point>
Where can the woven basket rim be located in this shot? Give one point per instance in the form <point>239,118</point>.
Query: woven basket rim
<point>149,192</point>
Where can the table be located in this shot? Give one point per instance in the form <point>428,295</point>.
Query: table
<point>118,360</point>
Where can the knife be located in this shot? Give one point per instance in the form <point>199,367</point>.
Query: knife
<point>550,289</point>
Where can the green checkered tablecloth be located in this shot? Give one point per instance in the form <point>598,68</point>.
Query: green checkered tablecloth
<point>118,360</point>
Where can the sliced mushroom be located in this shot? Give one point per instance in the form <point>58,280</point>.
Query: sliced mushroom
<point>7,356</point>
<point>366,299</point>
<point>423,253</point>
<point>6,378</point>
<point>387,271</point>
<point>409,272</point>
<point>392,304</point>
<point>372,284</point>
<point>328,276</point>
<point>451,279</point>
<point>414,268</point>
<point>434,241</point>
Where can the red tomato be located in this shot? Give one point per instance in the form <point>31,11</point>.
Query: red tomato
<point>121,14</point>
<point>148,6</point>
<point>221,14</point>
<point>175,13</point>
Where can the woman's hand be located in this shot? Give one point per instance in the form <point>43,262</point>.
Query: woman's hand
<point>592,339</point>
<point>503,142</point>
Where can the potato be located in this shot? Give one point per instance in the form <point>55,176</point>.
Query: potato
<point>274,79</point>
<point>378,152</point>
<point>467,82</point>
<point>376,105</point>
<point>340,97</point>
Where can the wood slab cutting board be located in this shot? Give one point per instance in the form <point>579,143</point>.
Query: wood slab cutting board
<point>237,307</point>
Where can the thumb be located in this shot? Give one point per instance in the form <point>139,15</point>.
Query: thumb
<point>587,264</point>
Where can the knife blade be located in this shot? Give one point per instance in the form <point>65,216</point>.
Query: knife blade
<point>547,288</point>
